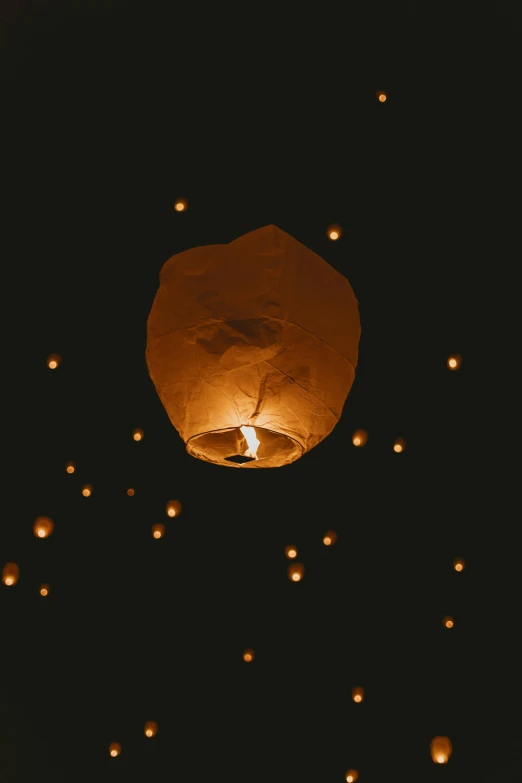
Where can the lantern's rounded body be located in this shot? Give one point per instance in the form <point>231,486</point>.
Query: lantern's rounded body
<point>259,333</point>
<point>441,749</point>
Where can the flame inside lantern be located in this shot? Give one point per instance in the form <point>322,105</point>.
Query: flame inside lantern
<point>252,441</point>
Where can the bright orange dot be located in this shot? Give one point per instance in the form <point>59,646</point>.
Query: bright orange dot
<point>130,492</point>
<point>295,572</point>
<point>381,96</point>
<point>87,491</point>
<point>151,728</point>
<point>351,776</point>
<point>158,530</point>
<point>8,580</point>
<point>173,508</point>
<point>41,533</point>
<point>330,538</point>
<point>137,434</point>
<point>448,622</point>
<point>359,437</point>
<point>53,361</point>
<point>114,749</point>
<point>44,590</point>
<point>291,552</point>
<point>248,656</point>
<point>398,446</point>
<point>454,362</point>
<point>43,527</point>
<point>334,232</point>
<point>70,467</point>
<point>458,565</point>
<point>180,205</point>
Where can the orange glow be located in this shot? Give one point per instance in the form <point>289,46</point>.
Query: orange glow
<point>130,492</point>
<point>458,564</point>
<point>158,530</point>
<point>351,776</point>
<point>291,552</point>
<point>10,574</point>
<point>448,622</point>
<point>440,748</point>
<point>137,434</point>
<point>44,590</point>
<point>334,232</point>
<point>87,491</point>
<point>248,655</point>
<point>358,695</point>
<point>43,527</point>
<point>250,436</point>
<point>180,205</point>
<point>53,361</point>
<point>330,538</point>
<point>359,437</point>
<point>296,572</point>
<point>381,96</point>
<point>399,446</point>
<point>454,362</point>
<point>114,749</point>
<point>151,728</point>
<point>70,467</point>
<point>173,508</point>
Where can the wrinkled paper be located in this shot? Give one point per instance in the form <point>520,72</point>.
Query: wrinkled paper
<point>260,332</point>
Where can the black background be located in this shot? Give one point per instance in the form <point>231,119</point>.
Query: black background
<point>255,117</point>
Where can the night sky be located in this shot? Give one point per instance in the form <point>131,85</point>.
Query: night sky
<point>109,116</point>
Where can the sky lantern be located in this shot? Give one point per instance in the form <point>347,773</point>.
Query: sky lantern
<point>138,435</point>
<point>454,362</point>
<point>330,538</point>
<point>114,749</point>
<point>359,437</point>
<point>334,233</point>
<point>70,467</point>
<point>295,572</point>
<point>180,205</point>
<point>10,574</point>
<point>44,590</point>
<point>87,490</point>
<point>150,729</point>
<point>381,96</point>
<point>358,695</point>
<point>351,776</point>
<point>291,552</point>
<point>53,361</point>
<point>173,508</point>
<point>43,527</point>
<point>252,348</point>
<point>248,655</point>
<point>448,621</point>
<point>158,530</point>
<point>130,492</point>
<point>399,446</point>
<point>440,748</point>
<point>459,564</point>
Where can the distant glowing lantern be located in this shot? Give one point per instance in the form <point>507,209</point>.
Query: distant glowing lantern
<point>248,655</point>
<point>291,552</point>
<point>10,574</point>
<point>158,530</point>
<point>458,564</point>
<point>151,728</point>
<point>87,490</point>
<point>359,437</point>
<point>180,205</point>
<point>44,590</point>
<point>130,492</point>
<point>137,434</point>
<point>358,695</point>
<point>381,96</point>
<point>53,361</point>
<point>440,748</point>
<point>43,527</point>
<point>448,622</point>
<point>454,362</point>
<point>334,232</point>
<point>295,572</point>
<point>114,749</point>
<point>351,776</point>
<point>399,446</point>
<point>252,347</point>
<point>330,538</point>
<point>173,508</point>
<point>70,467</point>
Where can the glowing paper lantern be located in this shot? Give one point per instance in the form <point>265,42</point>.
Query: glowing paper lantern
<point>448,622</point>
<point>440,748</point>
<point>44,590</point>
<point>252,347</point>
<point>151,728</point>
<point>381,96</point>
<point>399,446</point>
<point>248,655</point>
<point>130,492</point>
<point>291,552</point>
<point>53,361</point>
<point>70,467</point>
<point>137,434</point>
<point>358,695</point>
<point>158,531</point>
<point>334,233</point>
<point>295,572</point>
<point>180,205</point>
<point>10,574</point>
<point>359,437</point>
<point>87,490</point>
<point>330,538</point>
<point>114,749</point>
<point>173,508</point>
<point>454,362</point>
<point>43,527</point>
<point>459,564</point>
<point>351,776</point>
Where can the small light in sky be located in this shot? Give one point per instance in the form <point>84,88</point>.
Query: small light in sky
<point>448,622</point>
<point>334,233</point>
<point>291,552</point>
<point>70,467</point>
<point>381,96</point>
<point>44,590</point>
<point>158,530</point>
<point>114,749</point>
<point>454,362</point>
<point>399,446</point>
<point>248,655</point>
<point>53,361</point>
<point>330,538</point>
<point>180,205</point>
<point>87,490</point>
<point>296,572</point>
<point>137,434</point>
<point>359,437</point>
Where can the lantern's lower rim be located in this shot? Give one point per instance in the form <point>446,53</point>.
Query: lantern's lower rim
<point>217,446</point>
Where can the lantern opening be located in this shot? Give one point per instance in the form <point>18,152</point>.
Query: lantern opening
<point>245,447</point>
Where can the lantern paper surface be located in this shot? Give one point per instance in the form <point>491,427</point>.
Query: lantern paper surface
<point>252,348</point>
